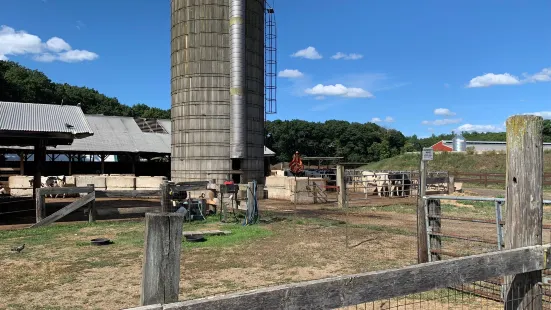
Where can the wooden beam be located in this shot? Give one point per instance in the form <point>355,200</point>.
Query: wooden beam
<point>422,245</point>
<point>129,194</point>
<point>161,265</point>
<point>39,158</point>
<point>40,205</point>
<point>361,288</point>
<point>524,205</point>
<point>66,210</point>
<point>65,190</point>
<point>341,184</point>
<point>92,212</point>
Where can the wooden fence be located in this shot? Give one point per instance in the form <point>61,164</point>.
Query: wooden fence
<point>521,264</point>
<point>490,178</point>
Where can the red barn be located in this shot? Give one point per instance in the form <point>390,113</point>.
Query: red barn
<point>441,147</point>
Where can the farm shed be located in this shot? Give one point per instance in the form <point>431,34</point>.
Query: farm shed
<point>119,145</point>
<point>36,127</point>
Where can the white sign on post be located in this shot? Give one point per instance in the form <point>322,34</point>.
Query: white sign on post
<point>428,153</point>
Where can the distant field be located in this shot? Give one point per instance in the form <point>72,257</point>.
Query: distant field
<point>452,162</point>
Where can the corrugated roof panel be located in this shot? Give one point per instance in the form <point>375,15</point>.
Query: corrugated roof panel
<point>117,134</point>
<point>35,117</point>
<point>166,124</point>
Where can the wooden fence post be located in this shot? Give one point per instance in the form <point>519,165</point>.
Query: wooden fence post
<point>341,185</point>
<point>161,265</point>
<point>92,212</point>
<point>524,205</point>
<point>451,184</point>
<point>435,212</point>
<point>40,205</point>
<point>422,250</point>
<point>165,201</point>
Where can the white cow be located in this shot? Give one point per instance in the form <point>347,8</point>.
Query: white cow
<point>378,180</point>
<point>51,181</point>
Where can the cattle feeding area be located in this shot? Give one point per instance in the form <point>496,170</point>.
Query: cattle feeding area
<point>395,247</point>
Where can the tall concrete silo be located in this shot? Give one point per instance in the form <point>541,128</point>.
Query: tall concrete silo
<point>217,88</point>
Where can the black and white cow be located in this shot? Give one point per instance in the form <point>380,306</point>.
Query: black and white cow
<point>400,184</point>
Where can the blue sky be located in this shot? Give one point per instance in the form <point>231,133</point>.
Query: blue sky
<point>417,66</point>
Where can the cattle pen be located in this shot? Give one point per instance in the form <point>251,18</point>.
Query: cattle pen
<point>348,252</point>
<point>519,264</point>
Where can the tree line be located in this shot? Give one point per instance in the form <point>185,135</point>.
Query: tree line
<point>20,84</point>
<point>356,142</point>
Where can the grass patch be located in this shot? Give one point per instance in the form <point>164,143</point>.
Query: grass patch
<point>239,235</point>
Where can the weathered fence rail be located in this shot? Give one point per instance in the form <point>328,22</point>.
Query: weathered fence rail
<point>490,178</point>
<point>520,264</point>
<point>360,288</point>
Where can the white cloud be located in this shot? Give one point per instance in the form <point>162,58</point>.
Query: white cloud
<point>544,114</point>
<point>479,128</point>
<point>18,43</point>
<point>338,90</point>
<point>387,119</point>
<point>319,98</point>
<point>440,122</point>
<point>308,53</point>
<point>444,112</point>
<point>290,73</point>
<point>77,56</point>
<point>543,76</point>
<point>490,79</point>
<point>56,44</point>
<point>351,56</point>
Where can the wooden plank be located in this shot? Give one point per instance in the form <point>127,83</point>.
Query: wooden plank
<point>161,265</point>
<point>10,169</point>
<point>341,185</point>
<point>66,190</point>
<point>342,291</point>
<point>129,194</point>
<point>165,201</point>
<point>207,233</point>
<point>524,205</point>
<point>422,248</point>
<point>40,205</point>
<point>92,212</point>
<point>66,210</point>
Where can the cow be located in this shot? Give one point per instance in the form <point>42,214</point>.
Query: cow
<point>51,181</point>
<point>400,184</point>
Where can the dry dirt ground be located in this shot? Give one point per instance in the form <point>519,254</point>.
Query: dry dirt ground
<point>60,270</point>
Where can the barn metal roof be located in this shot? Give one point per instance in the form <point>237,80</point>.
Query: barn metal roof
<point>43,118</point>
<point>118,134</point>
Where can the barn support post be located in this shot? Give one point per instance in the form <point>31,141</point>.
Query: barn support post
<point>70,164</point>
<point>341,185</point>
<point>102,163</point>
<point>39,158</point>
<point>161,265</point>
<point>524,205</point>
<point>22,160</point>
<point>422,248</point>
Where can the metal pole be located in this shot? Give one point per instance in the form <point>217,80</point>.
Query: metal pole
<point>498,225</point>
<point>428,229</point>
